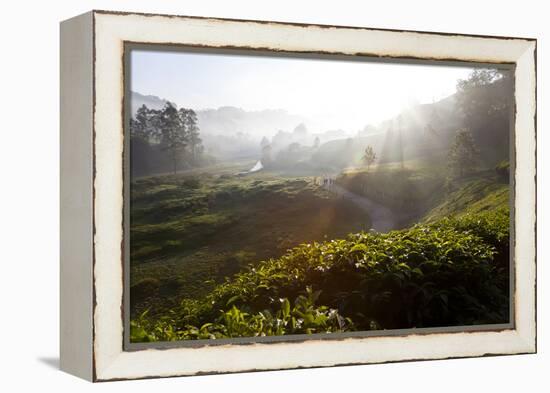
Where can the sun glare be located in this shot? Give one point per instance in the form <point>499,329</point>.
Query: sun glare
<point>332,94</point>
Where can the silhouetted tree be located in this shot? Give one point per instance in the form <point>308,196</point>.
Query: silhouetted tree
<point>316,142</point>
<point>173,135</point>
<point>484,100</point>
<point>140,147</point>
<point>463,154</point>
<point>264,142</point>
<point>300,130</point>
<point>266,156</point>
<point>369,157</point>
<point>399,147</point>
<point>141,126</point>
<point>189,122</point>
<point>294,147</point>
<point>164,137</point>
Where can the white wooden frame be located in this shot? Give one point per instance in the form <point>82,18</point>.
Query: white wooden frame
<point>92,144</point>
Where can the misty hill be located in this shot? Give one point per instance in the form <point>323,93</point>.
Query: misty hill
<point>150,101</point>
<point>419,132</point>
<point>424,131</point>
<point>229,120</point>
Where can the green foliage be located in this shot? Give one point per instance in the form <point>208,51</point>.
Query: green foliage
<point>302,317</point>
<point>164,137</point>
<point>403,190</point>
<point>189,232</point>
<point>144,288</point>
<point>369,157</point>
<point>502,170</point>
<point>463,154</point>
<point>473,195</point>
<point>450,272</point>
<point>484,101</point>
<point>481,94</point>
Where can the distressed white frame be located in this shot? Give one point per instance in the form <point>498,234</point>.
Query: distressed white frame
<point>110,31</point>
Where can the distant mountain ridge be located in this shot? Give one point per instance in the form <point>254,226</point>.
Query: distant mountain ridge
<point>229,120</point>
<point>420,131</point>
<point>150,101</point>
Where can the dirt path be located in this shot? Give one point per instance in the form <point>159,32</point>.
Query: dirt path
<point>382,218</point>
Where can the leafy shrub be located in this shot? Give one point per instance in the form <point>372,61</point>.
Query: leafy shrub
<point>143,289</point>
<point>503,170</point>
<point>304,317</point>
<point>451,272</point>
<point>401,189</point>
<point>192,182</point>
<point>471,196</point>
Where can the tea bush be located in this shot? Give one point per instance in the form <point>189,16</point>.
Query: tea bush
<point>450,272</point>
<point>198,236</point>
<point>304,317</point>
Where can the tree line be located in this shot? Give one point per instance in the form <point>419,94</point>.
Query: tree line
<point>164,139</point>
<point>483,102</point>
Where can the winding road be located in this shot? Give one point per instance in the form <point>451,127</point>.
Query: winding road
<point>382,218</point>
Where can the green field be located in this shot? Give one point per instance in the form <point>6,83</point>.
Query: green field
<point>410,189</point>
<point>485,191</point>
<point>190,231</point>
<point>421,191</point>
<point>395,225</point>
<point>217,255</point>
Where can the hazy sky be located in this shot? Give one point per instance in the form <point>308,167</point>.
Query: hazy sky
<point>340,94</point>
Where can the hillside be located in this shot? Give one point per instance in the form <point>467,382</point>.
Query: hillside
<point>190,231</point>
<point>403,225</point>
<point>420,132</point>
<point>421,190</point>
<point>150,101</point>
<point>483,192</point>
<point>452,269</point>
<point>450,272</point>
<point>229,120</point>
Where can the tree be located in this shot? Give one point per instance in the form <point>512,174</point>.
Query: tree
<point>294,147</point>
<point>189,122</point>
<point>140,127</point>
<point>485,101</point>
<point>266,156</point>
<point>300,130</point>
<point>316,142</point>
<point>140,138</point>
<point>173,135</point>
<point>399,147</point>
<point>165,137</point>
<point>463,154</point>
<point>264,142</point>
<point>369,157</point>
<point>483,94</point>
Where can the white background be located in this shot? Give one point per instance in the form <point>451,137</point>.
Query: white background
<point>29,197</point>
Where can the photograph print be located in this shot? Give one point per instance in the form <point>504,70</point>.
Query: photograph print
<point>283,195</point>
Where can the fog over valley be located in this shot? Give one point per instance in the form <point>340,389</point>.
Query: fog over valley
<point>233,133</point>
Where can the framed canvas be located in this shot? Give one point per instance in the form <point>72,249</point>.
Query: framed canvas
<point>243,195</point>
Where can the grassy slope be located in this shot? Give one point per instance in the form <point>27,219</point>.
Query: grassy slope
<point>187,233</point>
<point>482,192</point>
<point>418,189</point>
<point>458,275</point>
<point>409,189</point>
<point>475,238</point>
<point>446,273</point>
